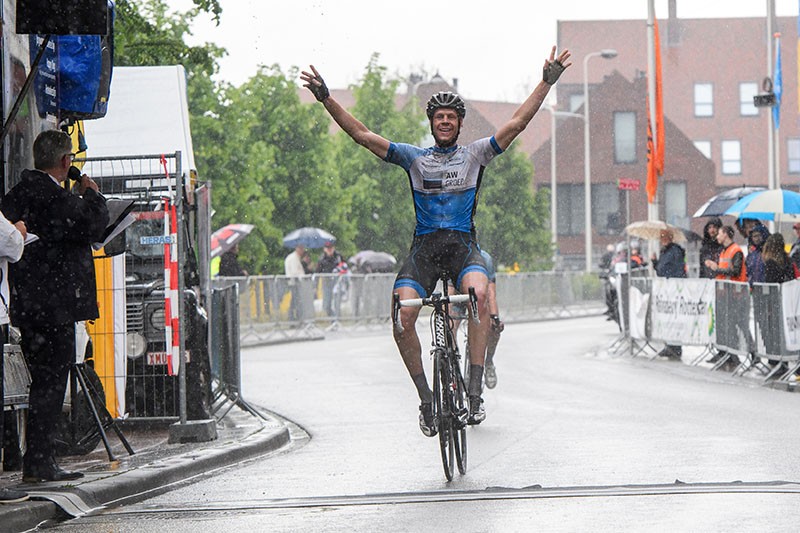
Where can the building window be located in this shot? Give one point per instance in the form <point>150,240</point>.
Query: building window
<point>606,214</point>
<point>624,137</point>
<point>747,90</point>
<point>731,157</point>
<point>793,155</point>
<point>570,212</point>
<point>704,147</point>
<point>675,204</point>
<point>575,102</point>
<point>703,100</point>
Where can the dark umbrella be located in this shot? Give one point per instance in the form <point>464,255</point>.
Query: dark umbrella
<point>372,261</point>
<point>308,237</point>
<point>226,237</point>
<point>717,205</point>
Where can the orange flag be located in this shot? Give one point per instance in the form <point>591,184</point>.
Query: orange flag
<point>655,154</point>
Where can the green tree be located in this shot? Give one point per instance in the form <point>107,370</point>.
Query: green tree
<point>146,33</point>
<point>272,165</point>
<point>512,220</point>
<point>380,201</point>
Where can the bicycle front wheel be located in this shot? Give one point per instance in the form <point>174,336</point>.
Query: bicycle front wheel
<point>461,412</point>
<point>443,401</point>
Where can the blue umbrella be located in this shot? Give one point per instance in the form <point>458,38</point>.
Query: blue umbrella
<point>716,205</point>
<point>766,205</point>
<point>308,237</point>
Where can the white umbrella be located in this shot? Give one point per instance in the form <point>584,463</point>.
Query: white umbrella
<point>651,230</point>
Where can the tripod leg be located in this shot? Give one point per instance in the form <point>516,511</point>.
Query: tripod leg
<point>93,398</point>
<point>78,368</point>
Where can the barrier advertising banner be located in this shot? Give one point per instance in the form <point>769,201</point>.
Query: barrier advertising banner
<point>790,294</point>
<point>682,311</point>
<point>639,302</point>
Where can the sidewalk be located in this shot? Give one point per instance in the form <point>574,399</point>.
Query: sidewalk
<point>155,467</point>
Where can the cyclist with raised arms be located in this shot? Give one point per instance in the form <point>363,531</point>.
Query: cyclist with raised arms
<point>444,180</point>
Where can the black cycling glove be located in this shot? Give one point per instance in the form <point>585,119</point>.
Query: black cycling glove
<point>552,71</point>
<point>321,91</point>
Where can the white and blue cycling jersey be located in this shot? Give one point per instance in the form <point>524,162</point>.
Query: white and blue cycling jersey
<point>444,181</point>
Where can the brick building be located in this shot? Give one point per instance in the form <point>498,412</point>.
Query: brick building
<point>617,116</point>
<point>711,68</point>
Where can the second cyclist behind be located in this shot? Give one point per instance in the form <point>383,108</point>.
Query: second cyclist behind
<point>444,180</point>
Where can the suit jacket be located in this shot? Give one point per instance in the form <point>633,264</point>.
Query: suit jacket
<point>54,281</point>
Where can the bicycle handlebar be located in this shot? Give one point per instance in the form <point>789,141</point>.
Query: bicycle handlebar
<point>432,301</point>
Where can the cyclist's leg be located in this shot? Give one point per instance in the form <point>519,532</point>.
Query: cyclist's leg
<point>477,335</point>
<point>495,326</point>
<point>408,341</point>
<point>415,279</point>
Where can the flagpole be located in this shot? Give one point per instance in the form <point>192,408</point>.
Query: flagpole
<point>652,208</point>
<point>776,111</point>
<point>770,119</point>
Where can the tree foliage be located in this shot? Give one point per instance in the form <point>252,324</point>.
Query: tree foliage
<point>146,33</point>
<point>380,199</point>
<point>272,167</point>
<point>273,163</point>
<point>512,221</point>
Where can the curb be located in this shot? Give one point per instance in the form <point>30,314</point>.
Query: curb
<point>139,483</point>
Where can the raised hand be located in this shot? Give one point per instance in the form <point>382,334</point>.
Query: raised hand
<point>315,84</point>
<point>554,67</point>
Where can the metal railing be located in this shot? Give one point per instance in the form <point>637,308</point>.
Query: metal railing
<point>279,308</point>
<point>734,319</point>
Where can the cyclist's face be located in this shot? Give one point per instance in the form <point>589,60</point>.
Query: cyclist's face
<point>445,127</point>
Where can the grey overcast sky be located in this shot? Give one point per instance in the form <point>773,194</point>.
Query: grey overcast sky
<point>494,48</point>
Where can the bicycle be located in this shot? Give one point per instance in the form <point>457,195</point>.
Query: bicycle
<point>450,407</point>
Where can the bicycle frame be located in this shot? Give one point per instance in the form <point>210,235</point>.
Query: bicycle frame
<point>449,389</point>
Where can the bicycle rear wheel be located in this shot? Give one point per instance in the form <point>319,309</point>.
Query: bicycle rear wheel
<point>460,418</point>
<point>442,401</point>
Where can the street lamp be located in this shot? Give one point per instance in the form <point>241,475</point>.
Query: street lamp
<point>587,185</point>
<point>553,181</point>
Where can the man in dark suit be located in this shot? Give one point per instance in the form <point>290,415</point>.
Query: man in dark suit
<point>52,287</point>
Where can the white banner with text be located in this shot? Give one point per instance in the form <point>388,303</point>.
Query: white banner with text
<point>790,294</point>
<point>682,311</point>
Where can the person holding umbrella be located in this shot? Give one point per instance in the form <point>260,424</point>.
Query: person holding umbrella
<point>444,180</point>
<point>229,263</point>
<point>710,248</point>
<point>670,264</point>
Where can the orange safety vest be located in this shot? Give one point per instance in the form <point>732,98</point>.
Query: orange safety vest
<point>726,262</point>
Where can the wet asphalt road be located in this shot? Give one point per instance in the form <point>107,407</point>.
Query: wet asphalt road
<point>575,438</point>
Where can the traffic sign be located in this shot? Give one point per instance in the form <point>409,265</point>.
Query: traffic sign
<point>628,184</point>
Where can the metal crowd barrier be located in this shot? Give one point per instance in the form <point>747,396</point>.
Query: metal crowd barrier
<point>746,321</point>
<point>279,308</point>
<point>769,334</point>
<point>732,318</point>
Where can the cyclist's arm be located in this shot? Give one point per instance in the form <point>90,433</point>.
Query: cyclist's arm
<point>356,129</point>
<point>524,114</point>
<point>351,125</point>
